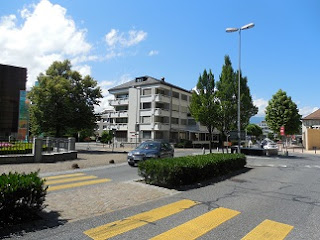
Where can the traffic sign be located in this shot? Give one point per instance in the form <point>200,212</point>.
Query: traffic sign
<point>233,135</point>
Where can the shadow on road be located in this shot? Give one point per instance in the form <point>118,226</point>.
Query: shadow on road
<point>46,220</point>
<point>100,152</point>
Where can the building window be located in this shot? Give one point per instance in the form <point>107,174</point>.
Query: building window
<point>121,120</point>
<point>146,105</point>
<point>175,95</point>
<point>121,108</point>
<point>161,91</point>
<point>191,122</point>
<point>175,120</point>
<point>183,121</point>
<point>146,134</point>
<point>146,91</point>
<point>184,97</point>
<point>122,95</point>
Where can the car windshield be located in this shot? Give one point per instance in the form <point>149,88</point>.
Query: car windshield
<point>149,145</point>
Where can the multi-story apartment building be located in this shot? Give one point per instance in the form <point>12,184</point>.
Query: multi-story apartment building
<point>148,108</point>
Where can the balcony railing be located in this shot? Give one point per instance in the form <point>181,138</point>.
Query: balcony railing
<point>117,126</point>
<point>119,101</point>
<point>161,98</point>
<point>118,114</point>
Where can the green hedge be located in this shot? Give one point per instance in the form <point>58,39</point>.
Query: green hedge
<point>174,172</point>
<point>21,197</point>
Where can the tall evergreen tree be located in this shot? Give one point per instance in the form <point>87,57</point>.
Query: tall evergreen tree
<point>227,93</point>
<point>282,111</point>
<point>203,104</point>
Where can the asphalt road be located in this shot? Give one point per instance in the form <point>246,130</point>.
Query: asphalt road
<point>273,197</point>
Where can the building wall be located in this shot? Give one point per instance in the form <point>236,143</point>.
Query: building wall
<point>12,80</point>
<point>312,138</point>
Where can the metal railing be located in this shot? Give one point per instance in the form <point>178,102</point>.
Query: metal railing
<point>49,145</point>
<point>15,147</point>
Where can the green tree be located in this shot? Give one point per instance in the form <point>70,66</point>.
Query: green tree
<point>106,136</point>
<point>282,111</point>
<point>203,104</point>
<point>227,94</point>
<point>254,130</point>
<point>63,102</point>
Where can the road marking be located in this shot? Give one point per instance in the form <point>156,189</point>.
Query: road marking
<point>269,230</point>
<point>115,228</point>
<point>70,180</point>
<point>79,184</point>
<point>199,226</point>
<point>307,166</point>
<point>283,166</point>
<point>64,176</point>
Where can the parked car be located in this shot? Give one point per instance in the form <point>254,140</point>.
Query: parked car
<point>268,144</point>
<point>150,149</point>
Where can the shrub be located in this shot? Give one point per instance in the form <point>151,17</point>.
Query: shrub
<point>174,172</point>
<point>21,197</point>
<point>184,143</point>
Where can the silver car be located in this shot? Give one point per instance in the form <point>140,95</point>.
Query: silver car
<point>150,149</point>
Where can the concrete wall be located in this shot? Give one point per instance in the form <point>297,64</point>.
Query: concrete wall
<point>312,138</point>
<point>46,158</point>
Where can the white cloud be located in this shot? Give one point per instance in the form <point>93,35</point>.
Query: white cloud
<point>115,38</point>
<point>153,52</point>
<point>118,41</point>
<point>46,34</point>
<point>84,70</point>
<point>105,86</point>
<point>261,104</point>
<point>305,111</point>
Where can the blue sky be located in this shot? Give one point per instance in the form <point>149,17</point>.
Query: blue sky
<point>116,41</point>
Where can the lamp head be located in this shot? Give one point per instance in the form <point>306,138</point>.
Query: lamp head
<point>248,26</point>
<point>229,30</point>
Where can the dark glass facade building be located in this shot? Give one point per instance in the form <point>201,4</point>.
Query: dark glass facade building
<point>12,80</point>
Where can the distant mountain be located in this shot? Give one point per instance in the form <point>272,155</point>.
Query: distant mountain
<point>256,120</point>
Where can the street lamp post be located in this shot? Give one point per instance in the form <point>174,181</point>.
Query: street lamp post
<point>230,30</point>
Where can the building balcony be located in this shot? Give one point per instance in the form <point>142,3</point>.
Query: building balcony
<point>118,114</point>
<point>161,112</point>
<point>161,98</point>
<point>119,101</point>
<point>117,126</point>
<point>161,126</point>
<point>146,98</point>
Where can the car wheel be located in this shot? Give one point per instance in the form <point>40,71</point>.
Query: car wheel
<point>131,164</point>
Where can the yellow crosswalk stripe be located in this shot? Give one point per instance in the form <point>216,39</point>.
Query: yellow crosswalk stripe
<point>78,184</point>
<point>115,228</point>
<point>64,176</point>
<point>65,180</point>
<point>199,226</point>
<point>269,230</point>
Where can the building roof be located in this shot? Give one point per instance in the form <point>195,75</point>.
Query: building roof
<point>313,116</point>
<point>144,80</point>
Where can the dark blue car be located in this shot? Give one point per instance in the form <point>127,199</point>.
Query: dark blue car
<point>150,149</point>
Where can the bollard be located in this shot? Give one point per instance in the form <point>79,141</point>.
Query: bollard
<point>203,151</point>
<point>71,144</point>
<point>37,149</point>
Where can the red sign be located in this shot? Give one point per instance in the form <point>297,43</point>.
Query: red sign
<point>282,131</point>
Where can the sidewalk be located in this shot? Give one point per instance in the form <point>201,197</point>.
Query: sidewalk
<point>94,156</point>
<point>80,203</point>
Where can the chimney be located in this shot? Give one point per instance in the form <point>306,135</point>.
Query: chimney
<point>162,79</point>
